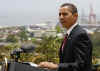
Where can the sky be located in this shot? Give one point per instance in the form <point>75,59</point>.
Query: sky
<point>26,12</point>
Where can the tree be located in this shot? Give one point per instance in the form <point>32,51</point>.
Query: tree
<point>96,44</point>
<point>11,38</point>
<point>48,49</point>
<point>23,35</point>
<point>58,29</point>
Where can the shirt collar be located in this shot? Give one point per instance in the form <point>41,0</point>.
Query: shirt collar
<point>71,28</point>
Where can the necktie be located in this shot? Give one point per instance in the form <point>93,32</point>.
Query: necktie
<point>64,42</point>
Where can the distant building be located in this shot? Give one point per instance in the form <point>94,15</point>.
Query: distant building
<point>43,28</point>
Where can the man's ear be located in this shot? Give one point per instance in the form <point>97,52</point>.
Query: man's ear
<point>75,15</point>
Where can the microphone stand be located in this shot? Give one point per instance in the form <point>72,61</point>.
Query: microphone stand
<point>16,56</point>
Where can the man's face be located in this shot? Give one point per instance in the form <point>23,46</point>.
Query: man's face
<point>66,17</point>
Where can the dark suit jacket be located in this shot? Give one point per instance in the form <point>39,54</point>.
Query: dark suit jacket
<point>77,52</point>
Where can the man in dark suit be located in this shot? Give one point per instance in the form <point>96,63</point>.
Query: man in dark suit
<point>76,50</point>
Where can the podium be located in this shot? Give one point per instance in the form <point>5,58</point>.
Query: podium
<point>16,66</point>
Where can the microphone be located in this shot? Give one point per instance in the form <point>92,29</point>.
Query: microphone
<point>16,51</point>
<point>28,48</point>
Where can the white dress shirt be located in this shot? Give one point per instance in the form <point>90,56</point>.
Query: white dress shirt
<point>71,28</point>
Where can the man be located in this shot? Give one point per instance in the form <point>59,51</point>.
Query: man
<point>76,50</point>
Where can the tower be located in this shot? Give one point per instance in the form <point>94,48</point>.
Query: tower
<point>92,16</point>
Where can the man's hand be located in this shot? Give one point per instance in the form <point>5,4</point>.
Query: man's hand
<point>48,65</point>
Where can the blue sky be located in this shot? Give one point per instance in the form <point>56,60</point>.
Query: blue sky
<point>16,12</point>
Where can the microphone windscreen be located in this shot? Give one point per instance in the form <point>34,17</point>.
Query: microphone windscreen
<point>27,48</point>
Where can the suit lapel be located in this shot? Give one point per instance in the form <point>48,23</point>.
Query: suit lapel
<point>73,31</point>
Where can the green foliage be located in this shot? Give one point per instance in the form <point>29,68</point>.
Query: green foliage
<point>49,48</point>
<point>6,50</point>
<point>12,38</point>
<point>96,44</point>
<point>26,57</point>
<point>23,35</point>
<point>58,29</point>
<point>33,40</point>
